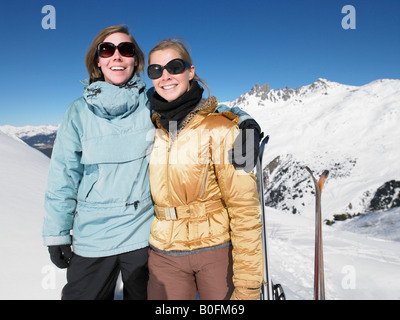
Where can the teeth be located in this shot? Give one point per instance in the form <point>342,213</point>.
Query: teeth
<point>117,68</point>
<point>169,87</point>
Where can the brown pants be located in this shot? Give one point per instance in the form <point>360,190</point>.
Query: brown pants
<point>179,278</point>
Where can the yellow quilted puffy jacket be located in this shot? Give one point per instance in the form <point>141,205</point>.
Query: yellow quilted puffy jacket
<point>201,200</point>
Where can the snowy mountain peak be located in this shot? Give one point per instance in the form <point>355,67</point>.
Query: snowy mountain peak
<point>28,131</point>
<point>264,93</point>
<point>350,130</point>
<point>39,137</point>
<point>321,83</point>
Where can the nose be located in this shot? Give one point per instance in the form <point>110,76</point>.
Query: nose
<point>165,75</point>
<point>116,55</point>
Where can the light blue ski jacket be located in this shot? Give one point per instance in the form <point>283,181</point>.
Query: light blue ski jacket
<point>98,184</point>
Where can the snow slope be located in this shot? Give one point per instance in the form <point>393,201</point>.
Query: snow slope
<point>26,271</point>
<point>358,266</point>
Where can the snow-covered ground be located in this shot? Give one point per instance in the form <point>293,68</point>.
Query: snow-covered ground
<point>26,271</point>
<point>357,265</point>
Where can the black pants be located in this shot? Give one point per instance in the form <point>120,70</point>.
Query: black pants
<point>95,278</point>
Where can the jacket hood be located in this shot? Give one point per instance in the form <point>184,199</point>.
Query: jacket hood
<point>111,101</point>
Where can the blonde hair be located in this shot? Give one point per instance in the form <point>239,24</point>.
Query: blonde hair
<point>91,58</point>
<point>178,44</point>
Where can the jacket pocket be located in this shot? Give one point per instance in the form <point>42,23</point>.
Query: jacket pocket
<point>218,222</point>
<point>116,148</point>
<point>116,170</point>
<point>89,179</point>
<point>161,231</point>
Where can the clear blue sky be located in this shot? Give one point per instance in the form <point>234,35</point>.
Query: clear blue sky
<point>234,44</point>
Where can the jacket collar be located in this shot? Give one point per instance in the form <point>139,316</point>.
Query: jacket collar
<point>194,118</point>
<point>110,101</point>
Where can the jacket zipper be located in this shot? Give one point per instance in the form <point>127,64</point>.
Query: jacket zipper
<point>204,183</point>
<point>203,188</point>
<point>169,153</point>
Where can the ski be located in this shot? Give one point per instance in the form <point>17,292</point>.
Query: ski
<point>269,291</point>
<point>319,282</point>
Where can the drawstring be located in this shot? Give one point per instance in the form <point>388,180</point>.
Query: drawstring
<point>95,91</point>
<point>135,204</point>
<point>98,90</point>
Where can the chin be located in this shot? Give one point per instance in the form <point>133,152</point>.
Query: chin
<point>171,96</point>
<point>118,80</point>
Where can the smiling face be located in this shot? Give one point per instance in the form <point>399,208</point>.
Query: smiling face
<point>117,69</point>
<point>171,86</point>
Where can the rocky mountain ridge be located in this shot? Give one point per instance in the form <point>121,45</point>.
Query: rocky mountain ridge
<point>351,131</point>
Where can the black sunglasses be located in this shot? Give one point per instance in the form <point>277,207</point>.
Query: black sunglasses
<point>107,49</point>
<point>175,66</point>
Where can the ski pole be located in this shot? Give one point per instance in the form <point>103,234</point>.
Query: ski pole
<point>266,288</point>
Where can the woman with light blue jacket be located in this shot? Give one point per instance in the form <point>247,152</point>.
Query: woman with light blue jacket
<point>98,195</point>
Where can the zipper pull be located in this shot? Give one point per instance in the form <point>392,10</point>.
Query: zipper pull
<point>135,204</point>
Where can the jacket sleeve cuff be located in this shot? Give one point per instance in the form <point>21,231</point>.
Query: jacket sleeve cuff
<point>246,294</point>
<point>235,110</point>
<point>58,240</point>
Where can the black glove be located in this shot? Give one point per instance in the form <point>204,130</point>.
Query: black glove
<point>61,255</point>
<point>240,157</point>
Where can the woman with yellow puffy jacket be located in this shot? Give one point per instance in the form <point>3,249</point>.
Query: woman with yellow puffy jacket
<point>206,236</point>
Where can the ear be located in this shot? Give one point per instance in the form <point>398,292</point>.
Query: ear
<point>192,72</point>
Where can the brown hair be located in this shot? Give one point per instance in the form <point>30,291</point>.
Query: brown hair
<point>91,58</point>
<point>178,44</point>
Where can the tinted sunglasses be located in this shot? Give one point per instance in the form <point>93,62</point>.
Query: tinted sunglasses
<point>107,49</point>
<point>175,66</point>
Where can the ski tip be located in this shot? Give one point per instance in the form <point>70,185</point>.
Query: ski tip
<point>325,173</point>
<point>322,179</point>
<point>308,169</point>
